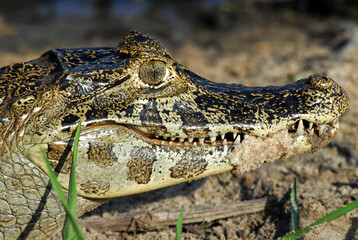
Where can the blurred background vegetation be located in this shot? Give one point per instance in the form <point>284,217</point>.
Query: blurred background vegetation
<point>65,22</point>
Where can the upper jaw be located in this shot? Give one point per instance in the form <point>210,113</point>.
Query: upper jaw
<point>217,114</point>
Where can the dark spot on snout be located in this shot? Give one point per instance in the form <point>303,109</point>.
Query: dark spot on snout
<point>141,164</point>
<point>190,166</point>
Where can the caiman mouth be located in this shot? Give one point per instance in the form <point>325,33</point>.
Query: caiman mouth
<point>299,128</point>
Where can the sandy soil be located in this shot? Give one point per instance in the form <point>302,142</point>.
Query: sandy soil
<point>265,52</point>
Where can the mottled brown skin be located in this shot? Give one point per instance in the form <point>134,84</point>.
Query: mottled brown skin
<point>148,122</point>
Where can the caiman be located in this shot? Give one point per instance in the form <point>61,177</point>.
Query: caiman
<point>147,122</point>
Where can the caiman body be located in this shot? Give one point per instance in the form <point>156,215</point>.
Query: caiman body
<point>147,122</point>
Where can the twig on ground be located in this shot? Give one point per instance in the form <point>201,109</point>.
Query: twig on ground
<point>145,221</point>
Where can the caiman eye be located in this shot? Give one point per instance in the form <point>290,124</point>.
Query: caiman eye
<point>152,72</point>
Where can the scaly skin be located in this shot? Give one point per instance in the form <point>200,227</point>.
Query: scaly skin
<point>148,122</point>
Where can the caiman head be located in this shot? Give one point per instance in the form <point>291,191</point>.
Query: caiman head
<point>149,122</point>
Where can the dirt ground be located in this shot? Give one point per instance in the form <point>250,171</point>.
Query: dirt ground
<point>264,50</point>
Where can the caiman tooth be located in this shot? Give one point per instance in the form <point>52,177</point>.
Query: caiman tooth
<point>237,139</point>
<point>234,135</point>
<point>172,138</point>
<point>335,123</point>
<point>222,136</point>
<point>321,129</point>
<point>181,139</point>
<point>225,141</point>
<point>300,129</point>
<point>162,142</point>
<point>195,144</point>
<point>190,140</point>
<point>186,143</point>
<point>310,131</point>
<point>212,139</point>
<point>310,125</point>
<point>165,137</point>
<point>201,140</point>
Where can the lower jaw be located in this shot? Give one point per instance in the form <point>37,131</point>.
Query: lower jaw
<point>252,151</point>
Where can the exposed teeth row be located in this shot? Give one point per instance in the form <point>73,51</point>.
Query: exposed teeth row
<point>221,139</point>
<point>299,128</point>
<point>302,125</point>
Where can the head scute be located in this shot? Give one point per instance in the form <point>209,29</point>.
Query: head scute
<point>138,43</point>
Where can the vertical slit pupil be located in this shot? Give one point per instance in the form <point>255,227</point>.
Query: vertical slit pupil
<point>152,72</point>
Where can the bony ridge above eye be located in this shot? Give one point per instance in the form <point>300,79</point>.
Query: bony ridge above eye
<point>152,72</point>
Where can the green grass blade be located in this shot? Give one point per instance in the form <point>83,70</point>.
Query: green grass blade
<point>68,229</point>
<point>329,217</point>
<point>295,78</point>
<point>180,224</point>
<point>337,213</point>
<point>73,237</point>
<point>295,216</point>
<point>55,184</point>
<point>57,187</point>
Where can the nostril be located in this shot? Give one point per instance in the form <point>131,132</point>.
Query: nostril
<point>320,82</point>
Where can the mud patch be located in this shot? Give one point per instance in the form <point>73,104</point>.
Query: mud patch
<point>254,151</point>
